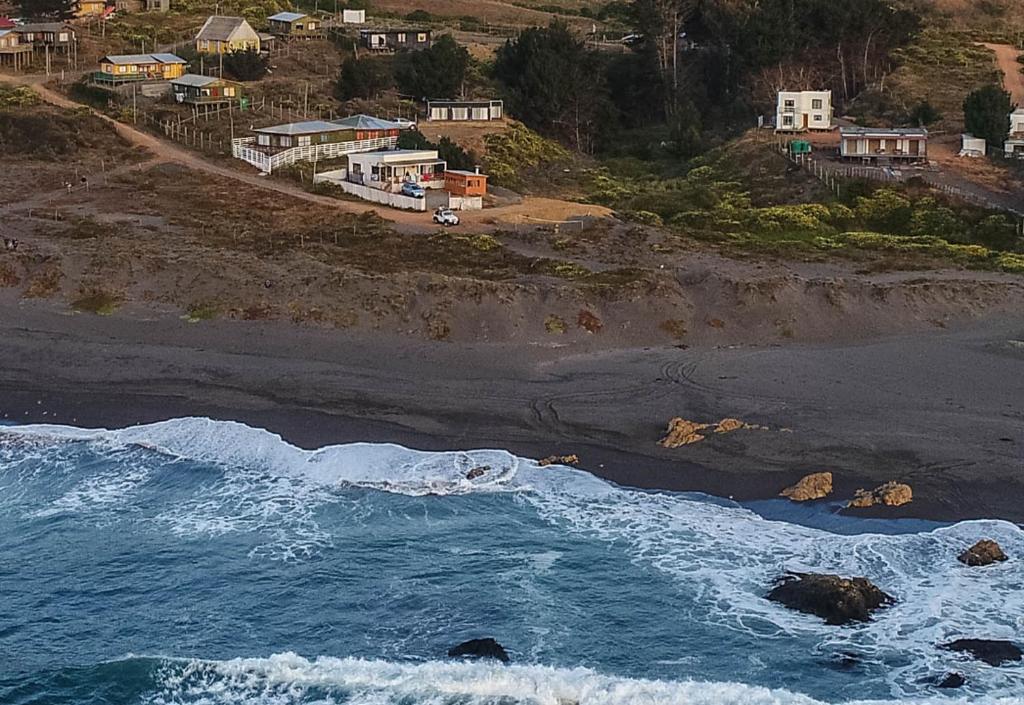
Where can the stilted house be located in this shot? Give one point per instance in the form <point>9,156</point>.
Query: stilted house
<point>884,145</point>
<point>464,110</point>
<point>223,35</point>
<point>799,111</point>
<point>206,90</point>
<point>56,36</point>
<point>296,25</point>
<point>117,69</point>
<point>13,52</point>
<point>390,40</point>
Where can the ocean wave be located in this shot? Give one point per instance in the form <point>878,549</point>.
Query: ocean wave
<point>722,557</point>
<point>290,679</point>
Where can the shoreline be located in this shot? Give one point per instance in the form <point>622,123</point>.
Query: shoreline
<point>943,410</point>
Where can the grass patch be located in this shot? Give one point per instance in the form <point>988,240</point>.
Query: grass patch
<point>201,311</point>
<point>99,302</point>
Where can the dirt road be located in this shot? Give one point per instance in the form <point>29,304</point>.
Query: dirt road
<point>1013,79</point>
<point>406,221</point>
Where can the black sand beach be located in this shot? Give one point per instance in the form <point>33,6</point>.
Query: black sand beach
<point>942,411</point>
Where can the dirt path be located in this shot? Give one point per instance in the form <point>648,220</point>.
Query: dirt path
<point>163,151</point>
<point>1013,79</point>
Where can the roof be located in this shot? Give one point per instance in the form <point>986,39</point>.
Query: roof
<point>44,27</point>
<point>6,23</point>
<point>395,156</point>
<point>900,131</point>
<point>366,122</point>
<point>5,32</point>
<point>463,172</point>
<point>287,16</point>
<point>393,30</point>
<point>125,59</point>
<point>221,29</point>
<point>452,101</point>
<point>192,79</point>
<point>309,127</point>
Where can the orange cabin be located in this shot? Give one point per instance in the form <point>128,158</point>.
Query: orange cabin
<point>465,183</point>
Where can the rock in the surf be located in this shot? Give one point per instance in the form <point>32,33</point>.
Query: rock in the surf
<point>992,651</point>
<point>835,599</point>
<point>814,486</point>
<point>478,471</point>
<point>479,648</point>
<point>952,680</point>
<point>891,494</point>
<point>682,432</point>
<point>985,552</point>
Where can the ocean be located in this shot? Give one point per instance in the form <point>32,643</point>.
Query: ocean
<point>205,562</point>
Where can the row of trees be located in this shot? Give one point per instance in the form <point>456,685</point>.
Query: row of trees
<point>437,72</point>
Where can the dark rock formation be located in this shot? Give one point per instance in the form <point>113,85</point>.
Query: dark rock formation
<point>476,472</point>
<point>985,552</point>
<point>836,600</point>
<point>991,651</point>
<point>479,648</point>
<point>952,680</point>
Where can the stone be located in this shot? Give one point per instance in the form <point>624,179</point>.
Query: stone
<point>835,599</point>
<point>559,460</point>
<point>891,494</point>
<point>478,471</point>
<point>952,680</point>
<point>728,425</point>
<point>992,651</point>
<point>682,432</point>
<point>814,486</point>
<point>479,648</point>
<point>985,552</point>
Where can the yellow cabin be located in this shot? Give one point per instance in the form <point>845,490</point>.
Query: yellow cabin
<point>123,68</point>
<point>223,35</point>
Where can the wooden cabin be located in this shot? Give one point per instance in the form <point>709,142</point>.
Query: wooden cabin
<point>14,52</point>
<point>465,183</point>
<point>385,40</point>
<point>55,35</point>
<point>296,25</point>
<point>463,110</point>
<point>223,35</point>
<point>124,68</point>
<point>884,145</point>
<point>90,8</point>
<point>205,90</point>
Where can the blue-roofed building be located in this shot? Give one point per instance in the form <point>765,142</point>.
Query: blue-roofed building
<point>288,25</point>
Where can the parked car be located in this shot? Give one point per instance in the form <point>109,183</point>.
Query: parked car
<point>446,217</point>
<point>413,189</point>
<point>404,123</point>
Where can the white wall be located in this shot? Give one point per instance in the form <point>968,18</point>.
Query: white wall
<point>353,16</point>
<point>395,200</point>
<point>804,104</point>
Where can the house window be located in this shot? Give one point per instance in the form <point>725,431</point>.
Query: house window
<point>460,113</point>
<point>401,37</point>
<point>816,104</point>
<point>63,36</point>
<point>789,104</point>
<point>304,141</point>
<point>229,91</point>
<point>421,37</point>
<point>285,141</point>
<point>819,118</point>
<point>787,119</point>
<point>263,140</point>
<point>325,138</point>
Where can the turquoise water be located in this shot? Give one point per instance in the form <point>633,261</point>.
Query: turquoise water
<point>207,562</point>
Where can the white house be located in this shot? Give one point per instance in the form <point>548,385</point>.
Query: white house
<point>388,170</point>
<point>1015,143</point>
<point>971,146</point>
<point>883,145</point>
<point>798,111</point>
<point>353,16</point>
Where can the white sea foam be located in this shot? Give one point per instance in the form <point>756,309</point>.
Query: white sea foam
<point>721,556</point>
<point>284,679</point>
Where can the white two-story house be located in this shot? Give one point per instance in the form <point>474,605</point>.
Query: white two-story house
<point>798,111</point>
<point>1015,141</point>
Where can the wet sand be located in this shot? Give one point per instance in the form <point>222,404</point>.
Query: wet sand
<point>942,410</point>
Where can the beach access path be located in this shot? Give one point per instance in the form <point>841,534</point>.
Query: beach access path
<point>941,410</point>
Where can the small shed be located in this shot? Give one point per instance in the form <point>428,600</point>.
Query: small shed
<point>799,147</point>
<point>971,146</point>
<point>465,183</point>
<point>205,90</point>
<point>295,24</point>
<point>353,16</point>
<point>457,110</point>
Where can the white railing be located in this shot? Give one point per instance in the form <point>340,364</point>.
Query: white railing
<point>241,149</point>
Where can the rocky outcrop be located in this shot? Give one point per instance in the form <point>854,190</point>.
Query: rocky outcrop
<point>682,432</point>
<point>985,552</point>
<point>479,648</point>
<point>991,651</point>
<point>559,460</point>
<point>814,486</point>
<point>952,680</point>
<point>836,600</point>
<point>729,425</point>
<point>478,471</point>
<point>891,494</point>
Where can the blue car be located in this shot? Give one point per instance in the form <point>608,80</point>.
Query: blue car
<point>413,190</point>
